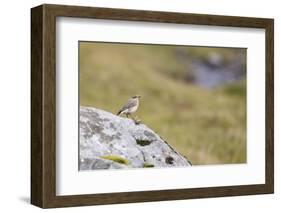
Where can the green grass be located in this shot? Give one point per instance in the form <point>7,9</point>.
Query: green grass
<point>207,126</point>
<point>237,89</point>
<point>116,159</point>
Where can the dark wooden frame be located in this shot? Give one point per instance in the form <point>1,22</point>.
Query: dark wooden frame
<point>43,105</point>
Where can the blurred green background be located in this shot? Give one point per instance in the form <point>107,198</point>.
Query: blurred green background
<point>193,97</point>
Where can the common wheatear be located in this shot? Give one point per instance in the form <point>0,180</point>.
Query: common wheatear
<point>130,107</point>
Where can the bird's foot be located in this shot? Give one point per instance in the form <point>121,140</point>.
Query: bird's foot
<point>137,122</point>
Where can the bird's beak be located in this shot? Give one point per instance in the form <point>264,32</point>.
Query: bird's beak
<point>139,96</point>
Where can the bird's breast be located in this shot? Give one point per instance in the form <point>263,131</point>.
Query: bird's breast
<point>134,108</point>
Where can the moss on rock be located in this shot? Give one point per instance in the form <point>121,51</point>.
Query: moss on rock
<point>143,142</point>
<point>116,159</point>
<point>148,165</point>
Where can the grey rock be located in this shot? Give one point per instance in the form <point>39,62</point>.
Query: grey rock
<point>108,141</point>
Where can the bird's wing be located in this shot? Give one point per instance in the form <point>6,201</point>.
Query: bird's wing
<point>130,103</point>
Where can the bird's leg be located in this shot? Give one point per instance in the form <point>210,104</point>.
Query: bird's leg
<point>127,115</point>
<point>136,120</point>
<point>130,115</point>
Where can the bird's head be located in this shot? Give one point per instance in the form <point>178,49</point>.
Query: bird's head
<point>136,96</point>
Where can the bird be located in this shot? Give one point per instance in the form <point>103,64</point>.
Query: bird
<point>130,107</point>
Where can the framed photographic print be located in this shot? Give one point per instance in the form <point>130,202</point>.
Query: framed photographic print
<point>136,106</point>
